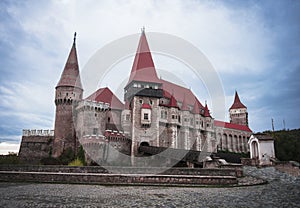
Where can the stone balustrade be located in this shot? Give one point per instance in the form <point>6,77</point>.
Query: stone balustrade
<point>37,132</point>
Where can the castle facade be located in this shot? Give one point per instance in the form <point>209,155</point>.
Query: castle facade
<point>155,112</point>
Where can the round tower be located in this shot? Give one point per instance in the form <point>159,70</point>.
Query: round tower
<point>67,93</point>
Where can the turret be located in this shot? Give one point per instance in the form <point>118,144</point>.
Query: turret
<point>238,112</point>
<point>143,77</point>
<point>142,94</point>
<point>67,93</point>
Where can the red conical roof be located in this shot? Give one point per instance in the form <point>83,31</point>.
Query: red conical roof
<point>143,68</point>
<point>70,75</point>
<point>237,103</point>
<point>184,106</point>
<point>197,107</point>
<point>173,102</point>
<point>206,111</point>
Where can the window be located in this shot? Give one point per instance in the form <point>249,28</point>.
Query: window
<point>166,114</point>
<point>179,119</point>
<point>127,117</point>
<point>146,116</point>
<point>141,101</point>
<point>161,114</point>
<point>150,102</point>
<point>173,116</point>
<point>95,131</point>
<point>108,119</point>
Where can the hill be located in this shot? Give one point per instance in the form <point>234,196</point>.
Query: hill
<point>287,144</point>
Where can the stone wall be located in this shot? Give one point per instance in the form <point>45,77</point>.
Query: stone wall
<point>35,147</point>
<point>229,171</point>
<point>115,179</point>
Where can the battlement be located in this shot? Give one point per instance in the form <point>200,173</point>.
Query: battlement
<point>37,132</point>
<point>93,105</point>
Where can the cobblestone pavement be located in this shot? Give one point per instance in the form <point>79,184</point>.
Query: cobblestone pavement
<point>282,191</point>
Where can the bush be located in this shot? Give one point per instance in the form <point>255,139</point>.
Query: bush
<point>76,162</point>
<point>81,155</point>
<point>67,156</point>
<point>9,159</point>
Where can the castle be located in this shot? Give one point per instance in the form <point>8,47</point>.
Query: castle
<point>155,113</point>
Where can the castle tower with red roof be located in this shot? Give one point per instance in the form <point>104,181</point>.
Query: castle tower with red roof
<point>142,94</point>
<point>238,112</point>
<point>67,92</point>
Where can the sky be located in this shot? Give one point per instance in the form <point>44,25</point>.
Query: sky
<point>253,46</point>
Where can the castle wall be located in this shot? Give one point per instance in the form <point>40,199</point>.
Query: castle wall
<point>36,145</point>
<point>91,118</point>
<point>232,140</point>
<point>141,134</point>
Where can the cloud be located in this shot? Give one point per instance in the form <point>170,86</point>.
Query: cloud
<point>252,45</point>
<point>6,148</point>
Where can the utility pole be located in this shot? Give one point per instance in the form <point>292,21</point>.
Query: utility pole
<point>283,124</point>
<point>272,124</point>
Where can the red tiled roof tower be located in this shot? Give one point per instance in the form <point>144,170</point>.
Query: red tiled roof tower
<point>237,103</point>
<point>143,68</point>
<point>206,111</point>
<point>70,75</point>
<point>173,102</point>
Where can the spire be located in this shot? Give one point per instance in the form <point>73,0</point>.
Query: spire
<point>74,39</point>
<point>70,75</point>
<point>173,102</point>
<point>197,107</point>
<point>206,111</point>
<point>143,68</point>
<point>184,106</point>
<point>237,103</point>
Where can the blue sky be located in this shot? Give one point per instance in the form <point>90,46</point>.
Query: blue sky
<point>253,45</point>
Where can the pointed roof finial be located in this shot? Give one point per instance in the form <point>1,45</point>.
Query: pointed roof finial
<point>74,38</point>
<point>206,111</point>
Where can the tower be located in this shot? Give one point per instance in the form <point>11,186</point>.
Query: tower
<point>142,94</point>
<point>238,112</point>
<point>67,93</point>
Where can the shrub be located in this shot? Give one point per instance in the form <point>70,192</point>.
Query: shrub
<point>9,159</point>
<point>76,162</point>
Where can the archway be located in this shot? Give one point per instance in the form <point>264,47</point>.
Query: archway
<point>144,144</point>
<point>254,150</point>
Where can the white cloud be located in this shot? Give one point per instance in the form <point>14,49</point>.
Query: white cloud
<point>6,148</point>
<point>235,40</point>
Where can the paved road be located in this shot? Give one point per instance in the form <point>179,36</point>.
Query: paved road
<point>282,191</point>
